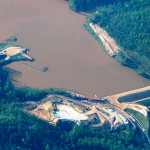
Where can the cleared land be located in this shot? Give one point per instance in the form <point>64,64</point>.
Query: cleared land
<point>108,42</point>
<point>91,111</point>
<point>10,53</point>
<point>127,97</point>
<point>105,113</point>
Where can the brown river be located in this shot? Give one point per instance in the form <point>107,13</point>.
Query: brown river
<point>58,40</point>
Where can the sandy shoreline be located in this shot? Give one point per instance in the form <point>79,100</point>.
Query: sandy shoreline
<point>108,42</point>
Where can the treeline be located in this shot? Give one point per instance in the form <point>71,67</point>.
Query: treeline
<point>89,5</point>
<point>129,24</point>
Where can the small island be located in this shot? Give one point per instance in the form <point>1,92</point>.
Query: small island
<point>12,39</point>
<point>10,53</point>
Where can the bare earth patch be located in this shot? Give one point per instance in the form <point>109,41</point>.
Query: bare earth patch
<point>107,40</point>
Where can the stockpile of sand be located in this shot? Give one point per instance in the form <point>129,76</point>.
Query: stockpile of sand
<point>11,51</point>
<point>69,113</point>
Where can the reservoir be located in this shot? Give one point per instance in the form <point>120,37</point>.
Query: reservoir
<point>57,39</point>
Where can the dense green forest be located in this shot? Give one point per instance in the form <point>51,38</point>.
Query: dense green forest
<point>82,5</point>
<point>89,5</point>
<point>21,130</point>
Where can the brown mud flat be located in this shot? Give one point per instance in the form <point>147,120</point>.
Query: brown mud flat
<point>58,40</point>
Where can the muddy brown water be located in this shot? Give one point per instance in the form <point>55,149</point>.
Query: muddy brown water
<point>58,40</point>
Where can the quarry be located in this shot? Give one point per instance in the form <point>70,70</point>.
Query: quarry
<point>103,113</point>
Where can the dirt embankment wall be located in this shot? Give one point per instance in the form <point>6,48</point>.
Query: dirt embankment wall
<point>108,42</point>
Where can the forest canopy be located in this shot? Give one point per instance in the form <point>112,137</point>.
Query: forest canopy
<point>88,5</point>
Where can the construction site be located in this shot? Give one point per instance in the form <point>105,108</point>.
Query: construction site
<point>106,113</point>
